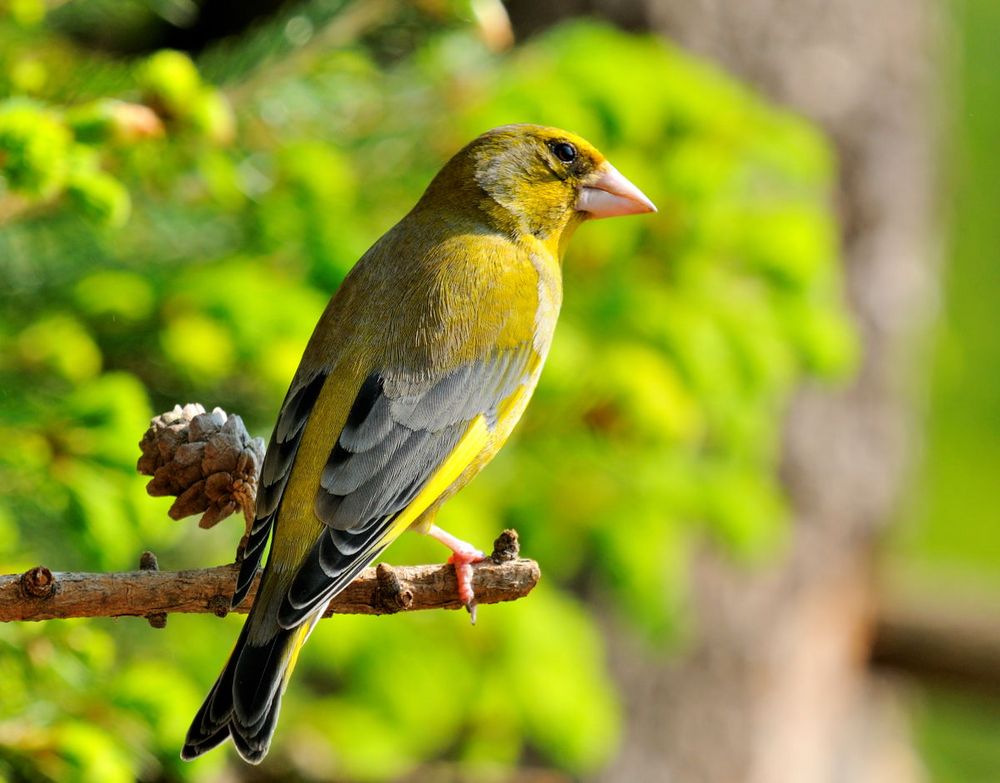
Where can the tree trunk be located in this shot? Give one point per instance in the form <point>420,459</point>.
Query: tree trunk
<point>776,686</point>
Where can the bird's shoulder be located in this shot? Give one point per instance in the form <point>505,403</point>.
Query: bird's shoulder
<point>442,293</point>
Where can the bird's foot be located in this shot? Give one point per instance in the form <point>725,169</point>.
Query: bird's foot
<point>463,556</point>
<point>463,573</point>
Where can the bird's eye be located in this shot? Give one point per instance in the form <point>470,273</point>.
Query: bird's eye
<point>565,151</point>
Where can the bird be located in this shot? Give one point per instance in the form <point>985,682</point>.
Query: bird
<point>414,377</point>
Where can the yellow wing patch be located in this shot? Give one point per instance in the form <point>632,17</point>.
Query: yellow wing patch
<point>466,451</point>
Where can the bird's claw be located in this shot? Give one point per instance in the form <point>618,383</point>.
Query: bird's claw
<point>463,559</point>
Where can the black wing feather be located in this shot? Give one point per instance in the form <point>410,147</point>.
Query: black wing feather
<point>274,474</point>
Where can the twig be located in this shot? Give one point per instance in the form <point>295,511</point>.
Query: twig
<point>40,594</point>
<point>955,644</point>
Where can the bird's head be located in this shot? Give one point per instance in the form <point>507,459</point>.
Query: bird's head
<point>531,179</point>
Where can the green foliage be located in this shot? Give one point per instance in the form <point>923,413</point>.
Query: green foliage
<point>957,735</point>
<point>172,80</point>
<point>948,543</point>
<point>46,152</point>
<point>171,83</point>
<point>657,420</point>
<point>35,148</point>
<point>953,510</point>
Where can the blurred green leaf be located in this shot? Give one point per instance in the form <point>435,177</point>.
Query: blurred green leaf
<point>34,148</point>
<point>59,343</point>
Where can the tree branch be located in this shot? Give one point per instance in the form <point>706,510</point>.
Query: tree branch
<point>39,594</point>
<point>951,643</point>
<point>210,464</point>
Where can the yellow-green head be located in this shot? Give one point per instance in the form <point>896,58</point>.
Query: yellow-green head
<point>532,179</point>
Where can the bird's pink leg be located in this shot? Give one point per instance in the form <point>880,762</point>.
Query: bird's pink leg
<point>463,556</point>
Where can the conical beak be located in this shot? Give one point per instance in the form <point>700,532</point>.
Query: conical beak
<point>609,194</point>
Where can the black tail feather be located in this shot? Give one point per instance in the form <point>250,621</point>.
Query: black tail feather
<point>244,702</point>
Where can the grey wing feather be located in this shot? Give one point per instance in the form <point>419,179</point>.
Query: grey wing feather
<point>399,431</point>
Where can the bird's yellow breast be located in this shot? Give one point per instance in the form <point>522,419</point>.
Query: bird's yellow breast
<point>545,282</point>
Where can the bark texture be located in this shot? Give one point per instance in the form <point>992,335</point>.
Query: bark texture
<point>40,594</point>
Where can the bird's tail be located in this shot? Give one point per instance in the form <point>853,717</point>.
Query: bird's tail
<point>244,702</point>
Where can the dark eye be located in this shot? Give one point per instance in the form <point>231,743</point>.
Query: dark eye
<point>565,151</point>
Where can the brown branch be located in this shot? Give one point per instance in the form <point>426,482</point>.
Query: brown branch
<point>40,594</point>
<point>955,645</point>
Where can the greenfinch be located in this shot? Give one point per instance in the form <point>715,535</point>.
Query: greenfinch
<point>415,375</point>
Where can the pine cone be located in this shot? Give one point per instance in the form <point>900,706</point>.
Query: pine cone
<point>207,460</point>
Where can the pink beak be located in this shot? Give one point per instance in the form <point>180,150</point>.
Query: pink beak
<point>609,194</point>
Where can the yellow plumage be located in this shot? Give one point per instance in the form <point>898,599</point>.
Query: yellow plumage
<point>413,379</point>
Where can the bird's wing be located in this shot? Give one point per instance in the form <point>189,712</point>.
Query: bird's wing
<point>405,441</point>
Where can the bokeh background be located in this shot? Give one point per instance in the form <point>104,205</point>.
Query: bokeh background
<point>758,473</point>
